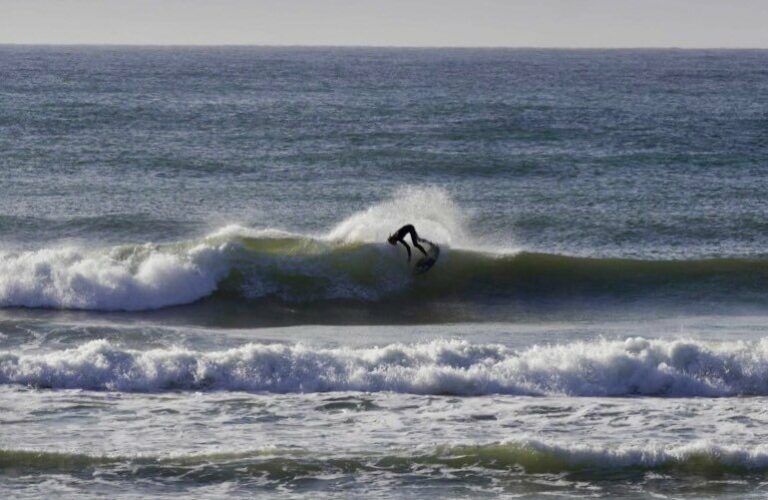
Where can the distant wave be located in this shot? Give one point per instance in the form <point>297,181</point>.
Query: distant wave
<point>531,455</point>
<point>636,366</point>
<point>353,263</point>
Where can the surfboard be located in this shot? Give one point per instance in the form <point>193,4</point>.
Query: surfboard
<point>425,263</point>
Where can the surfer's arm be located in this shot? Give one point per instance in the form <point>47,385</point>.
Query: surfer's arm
<point>407,249</point>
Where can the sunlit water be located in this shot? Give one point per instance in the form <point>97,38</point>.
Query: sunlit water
<point>197,297</point>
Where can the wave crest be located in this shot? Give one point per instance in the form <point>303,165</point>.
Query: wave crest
<point>430,209</point>
<point>635,366</point>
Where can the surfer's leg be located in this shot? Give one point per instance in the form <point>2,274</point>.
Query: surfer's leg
<point>407,249</point>
<point>416,244</point>
<point>409,229</point>
<point>406,230</point>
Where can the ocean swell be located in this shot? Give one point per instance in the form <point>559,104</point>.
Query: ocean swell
<point>353,263</point>
<point>247,265</point>
<point>635,366</point>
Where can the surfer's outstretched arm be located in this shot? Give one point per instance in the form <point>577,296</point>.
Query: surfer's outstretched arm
<point>407,249</point>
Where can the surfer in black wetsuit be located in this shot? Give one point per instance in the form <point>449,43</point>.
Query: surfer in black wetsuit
<point>399,236</point>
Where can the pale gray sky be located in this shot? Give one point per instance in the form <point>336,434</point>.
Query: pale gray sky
<point>513,23</point>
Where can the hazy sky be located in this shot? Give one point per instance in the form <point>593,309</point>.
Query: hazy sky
<point>541,23</point>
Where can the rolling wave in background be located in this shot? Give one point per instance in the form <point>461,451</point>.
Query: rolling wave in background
<point>532,456</point>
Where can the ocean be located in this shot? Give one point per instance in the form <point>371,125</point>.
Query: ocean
<point>197,297</point>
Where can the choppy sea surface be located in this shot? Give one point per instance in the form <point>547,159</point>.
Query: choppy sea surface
<point>197,298</point>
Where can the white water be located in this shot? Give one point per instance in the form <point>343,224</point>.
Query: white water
<point>431,210</point>
<point>135,278</point>
<point>597,368</point>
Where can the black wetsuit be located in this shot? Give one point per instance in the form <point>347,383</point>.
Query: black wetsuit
<point>400,235</point>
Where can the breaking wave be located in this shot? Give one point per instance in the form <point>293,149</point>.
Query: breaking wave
<point>298,269</point>
<point>351,263</point>
<point>636,366</point>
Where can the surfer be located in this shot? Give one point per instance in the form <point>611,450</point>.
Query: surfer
<point>399,236</point>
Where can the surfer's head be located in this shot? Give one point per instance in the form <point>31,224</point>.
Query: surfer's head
<point>392,240</point>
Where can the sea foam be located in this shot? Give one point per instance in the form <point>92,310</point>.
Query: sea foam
<point>430,209</point>
<point>635,366</point>
<point>120,278</point>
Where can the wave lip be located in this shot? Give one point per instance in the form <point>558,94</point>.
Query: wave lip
<point>636,366</point>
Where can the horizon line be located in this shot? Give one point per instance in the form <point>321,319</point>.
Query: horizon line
<point>354,46</point>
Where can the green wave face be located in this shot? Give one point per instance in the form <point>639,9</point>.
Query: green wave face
<point>285,276</point>
<point>522,458</point>
<point>306,270</point>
